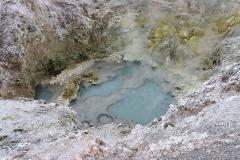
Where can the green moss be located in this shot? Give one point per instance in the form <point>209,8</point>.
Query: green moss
<point>178,88</point>
<point>83,55</point>
<point>95,78</point>
<point>90,75</point>
<point>71,87</point>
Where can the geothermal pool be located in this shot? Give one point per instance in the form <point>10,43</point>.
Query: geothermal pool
<point>142,104</point>
<point>129,93</point>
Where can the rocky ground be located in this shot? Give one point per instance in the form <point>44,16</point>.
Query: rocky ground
<point>203,124</point>
<point>42,38</point>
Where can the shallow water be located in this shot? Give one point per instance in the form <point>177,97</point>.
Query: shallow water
<point>112,85</point>
<point>130,93</point>
<point>43,93</point>
<point>47,92</point>
<point>143,104</point>
<point>105,89</point>
<point>137,93</point>
<point>104,118</point>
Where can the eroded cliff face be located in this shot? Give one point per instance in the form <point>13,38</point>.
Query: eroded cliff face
<point>197,40</point>
<point>43,37</point>
<point>39,38</point>
<point>202,125</point>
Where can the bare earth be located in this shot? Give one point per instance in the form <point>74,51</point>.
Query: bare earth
<point>206,125</point>
<point>197,44</point>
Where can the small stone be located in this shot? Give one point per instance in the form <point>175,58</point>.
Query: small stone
<point>18,130</point>
<point>153,122</point>
<point>167,124</point>
<point>37,39</point>
<point>71,135</point>
<point>119,125</point>
<point>50,134</point>
<point>238,146</point>
<point>85,131</point>
<point>2,137</point>
<point>190,119</point>
<point>32,28</point>
<point>125,131</point>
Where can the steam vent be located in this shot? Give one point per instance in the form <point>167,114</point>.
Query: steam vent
<point>119,79</point>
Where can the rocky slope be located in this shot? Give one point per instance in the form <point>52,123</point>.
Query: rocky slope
<point>42,37</point>
<point>202,125</point>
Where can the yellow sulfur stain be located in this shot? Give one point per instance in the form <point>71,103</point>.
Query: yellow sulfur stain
<point>184,29</point>
<point>222,23</point>
<point>9,117</point>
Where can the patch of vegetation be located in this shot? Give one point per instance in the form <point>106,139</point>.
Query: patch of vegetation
<point>71,87</point>
<point>90,76</point>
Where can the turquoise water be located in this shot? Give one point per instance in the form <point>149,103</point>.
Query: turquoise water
<point>140,104</point>
<point>136,93</point>
<point>113,85</point>
<point>105,89</point>
<point>129,70</point>
<point>104,118</point>
<point>143,104</point>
